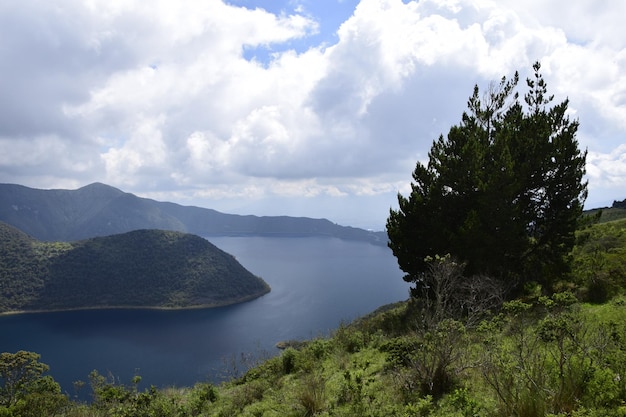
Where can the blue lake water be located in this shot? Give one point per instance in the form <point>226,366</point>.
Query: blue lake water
<point>316,284</point>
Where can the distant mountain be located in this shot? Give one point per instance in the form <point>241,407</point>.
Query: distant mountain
<point>100,210</point>
<point>143,268</point>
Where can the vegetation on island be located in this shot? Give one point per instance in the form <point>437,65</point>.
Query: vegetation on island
<point>515,311</point>
<point>144,268</point>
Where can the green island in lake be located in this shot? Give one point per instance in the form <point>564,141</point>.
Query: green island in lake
<point>139,269</point>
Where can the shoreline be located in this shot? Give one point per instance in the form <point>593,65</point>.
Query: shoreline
<point>162,308</point>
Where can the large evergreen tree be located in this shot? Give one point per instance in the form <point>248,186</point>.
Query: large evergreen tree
<point>502,192</point>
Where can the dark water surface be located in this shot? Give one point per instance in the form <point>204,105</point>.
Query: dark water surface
<point>316,284</point>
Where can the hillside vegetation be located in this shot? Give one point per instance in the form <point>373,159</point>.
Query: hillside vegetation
<point>599,259</point>
<point>607,214</point>
<point>144,268</point>
<point>557,355</point>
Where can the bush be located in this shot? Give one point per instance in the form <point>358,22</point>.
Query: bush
<point>554,364</point>
<point>312,396</point>
<point>200,397</point>
<point>432,359</point>
<point>349,339</point>
<point>462,403</point>
<point>246,394</point>
<point>320,348</point>
<point>421,408</point>
<point>288,359</point>
<point>25,391</point>
<point>44,399</point>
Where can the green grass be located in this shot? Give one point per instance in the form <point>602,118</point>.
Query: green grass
<point>599,261</point>
<point>608,214</point>
<point>612,311</point>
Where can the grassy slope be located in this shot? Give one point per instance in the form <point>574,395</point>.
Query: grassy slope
<point>599,267</point>
<point>144,268</point>
<point>365,369</point>
<point>608,213</point>
<point>360,372</point>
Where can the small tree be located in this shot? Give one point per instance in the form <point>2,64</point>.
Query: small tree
<point>501,193</point>
<point>23,387</point>
<point>445,293</point>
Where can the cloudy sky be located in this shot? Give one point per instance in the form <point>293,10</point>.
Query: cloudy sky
<point>315,108</point>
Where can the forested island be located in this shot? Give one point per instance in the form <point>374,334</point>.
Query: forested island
<point>139,269</point>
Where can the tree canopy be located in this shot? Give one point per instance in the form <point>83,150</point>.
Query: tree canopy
<point>501,193</point>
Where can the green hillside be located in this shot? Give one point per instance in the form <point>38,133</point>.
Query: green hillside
<point>144,268</point>
<point>607,214</point>
<point>100,210</point>
<point>599,259</point>
<point>22,269</point>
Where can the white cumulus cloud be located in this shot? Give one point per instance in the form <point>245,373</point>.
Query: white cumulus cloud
<point>230,107</point>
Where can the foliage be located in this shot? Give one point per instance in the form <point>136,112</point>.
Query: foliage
<point>21,273</point>
<point>445,293</point>
<point>553,360</point>
<point>144,268</point>
<point>111,398</point>
<point>19,372</point>
<point>428,362</point>
<point>599,267</point>
<point>501,193</point>
<point>25,391</point>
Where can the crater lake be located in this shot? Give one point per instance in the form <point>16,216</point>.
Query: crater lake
<point>317,283</point>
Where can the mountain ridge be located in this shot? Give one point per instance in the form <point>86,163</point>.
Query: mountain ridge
<point>98,209</point>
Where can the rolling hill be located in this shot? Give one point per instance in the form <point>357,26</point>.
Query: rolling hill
<point>142,268</point>
<point>100,210</point>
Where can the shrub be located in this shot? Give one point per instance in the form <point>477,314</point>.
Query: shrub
<point>463,403</point>
<point>421,408</point>
<point>200,397</point>
<point>349,339</point>
<point>320,348</point>
<point>312,396</point>
<point>246,394</point>
<point>432,358</point>
<point>288,359</point>
<point>24,390</point>
<point>548,365</point>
